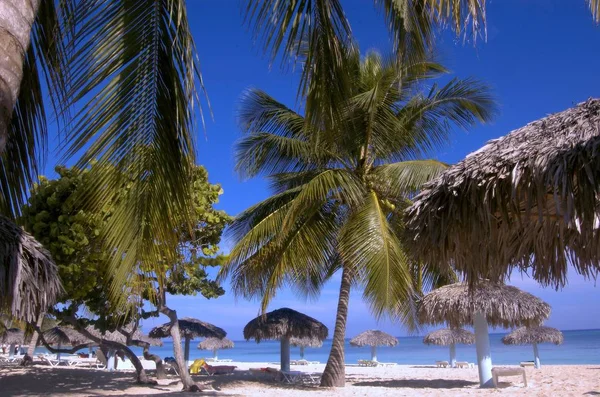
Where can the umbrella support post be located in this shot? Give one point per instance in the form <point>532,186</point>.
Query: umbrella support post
<point>373,353</point>
<point>285,354</point>
<point>110,360</point>
<point>11,350</point>
<point>186,351</point>
<point>58,354</point>
<point>482,344</point>
<point>452,355</point>
<point>536,355</point>
<point>215,355</point>
<point>302,352</point>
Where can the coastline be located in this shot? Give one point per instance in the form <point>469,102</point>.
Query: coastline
<point>400,380</point>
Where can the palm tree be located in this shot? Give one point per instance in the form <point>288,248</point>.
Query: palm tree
<point>123,82</point>
<point>339,190</point>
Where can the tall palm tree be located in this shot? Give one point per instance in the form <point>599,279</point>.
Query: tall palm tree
<point>339,189</point>
<point>122,79</point>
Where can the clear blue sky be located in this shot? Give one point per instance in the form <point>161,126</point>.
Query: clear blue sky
<point>541,56</point>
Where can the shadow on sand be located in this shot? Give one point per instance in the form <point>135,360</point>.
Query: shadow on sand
<point>419,383</point>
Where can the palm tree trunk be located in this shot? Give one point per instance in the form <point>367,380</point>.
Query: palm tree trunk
<point>186,379</point>
<point>28,359</point>
<point>16,21</point>
<point>335,370</point>
<point>160,368</point>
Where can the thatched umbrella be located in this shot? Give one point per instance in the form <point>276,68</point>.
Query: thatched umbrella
<point>12,337</point>
<point>215,344</point>
<point>533,336</point>
<point>489,303</point>
<point>29,281</point>
<point>373,338</point>
<point>528,199</point>
<point>303,343</point>
<point>189,328</point>
<point>284,324</point>
<point>62,335</point>
<point>450,337</point>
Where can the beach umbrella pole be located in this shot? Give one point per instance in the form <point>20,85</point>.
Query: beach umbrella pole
<point>482,345</point>
<point>536,355</point>
<point>285,354</point>
<point>186,355</point>
<point>452,355</point>
<point>215,354</point>
<point>373,353</point>
<point>11,350</point>
<point>302,352</point>
<point>58,354</point>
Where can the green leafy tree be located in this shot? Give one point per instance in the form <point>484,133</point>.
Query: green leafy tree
<point>56,216</point>
<point>338,193</point>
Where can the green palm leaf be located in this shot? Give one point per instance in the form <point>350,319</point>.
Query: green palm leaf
<point>400,179</point>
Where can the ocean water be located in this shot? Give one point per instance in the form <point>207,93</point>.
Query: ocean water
<point>579,347</point>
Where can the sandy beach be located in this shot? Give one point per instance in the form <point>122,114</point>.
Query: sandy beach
<point>401,380</point>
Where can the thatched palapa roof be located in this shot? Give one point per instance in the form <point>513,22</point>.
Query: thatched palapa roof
<point>65,336</point>
<point>13,336</point>
<point>282,323</point>
<point>215,344</point>
<point>529,198</point>
<point>29,280</point>
<point>529,336</point>
<point>373,338</point>
<point>117,336</point>
<point>502,305</point>
<point>452,336</point>
<point>306,342</point>
<point>190,328</point>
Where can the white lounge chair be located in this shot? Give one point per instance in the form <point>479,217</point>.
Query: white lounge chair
<point>464,364</point>
<point>367,363</point>
<point>504,371</point>
<point>442,364</point>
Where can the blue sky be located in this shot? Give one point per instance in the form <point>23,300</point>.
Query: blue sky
<point>541,56</point>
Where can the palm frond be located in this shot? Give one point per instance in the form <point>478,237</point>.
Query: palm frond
<point>465,15</point>
<point>368,245</point>
<point>135,84</point>
<point>402,179</point>
<point>27,134</point>
<point>595,8</point>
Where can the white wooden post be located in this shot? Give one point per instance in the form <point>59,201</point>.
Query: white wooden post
<point>482,345</point>
<point>536,355</point>
<point>285,354</point>
<point>452,355</point>
<point>373,353</point>
<point>11,350</point>
<point>215,354</point>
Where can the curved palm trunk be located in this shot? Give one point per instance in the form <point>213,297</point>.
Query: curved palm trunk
<point>16,20</point>
<point>160,368</point>
<point>28,359</point>
<point>335,370</point>
<point>186,379</point>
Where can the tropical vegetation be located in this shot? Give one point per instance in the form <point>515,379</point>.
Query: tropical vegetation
<point>339,190</point>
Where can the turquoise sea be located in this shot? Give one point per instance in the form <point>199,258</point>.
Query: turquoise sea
<point>579,347</point>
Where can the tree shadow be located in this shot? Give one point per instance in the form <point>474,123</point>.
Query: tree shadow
<point>220,382</point>
<point>592,393</point>
<point>419,383</point>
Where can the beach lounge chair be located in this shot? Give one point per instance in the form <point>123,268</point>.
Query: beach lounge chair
<point>300,362</point>
<point>527,364</point>
<point>295,377</point>
<point>53,362</point>
<point>268,372</point>
<point>504,371</point>
<point>442,364</point>
<point>367,363</point>
<point>200,366</point>
<point>85,362</point>
<point>464,364</point>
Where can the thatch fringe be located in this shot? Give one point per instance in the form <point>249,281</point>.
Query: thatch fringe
<point>306,342</point>
<point>529,336</point>
<point>373,338</point>
<point>215,344</point>
<point>13,336</point>
<point>503,305</point>
<point>284,323</point>
<point>528,199</point>
<point>190,328</point>
<point>452,336</point>
<point>29,280</point>
<point>65,336</point>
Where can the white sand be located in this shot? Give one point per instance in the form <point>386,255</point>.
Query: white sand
<point>401,380</point>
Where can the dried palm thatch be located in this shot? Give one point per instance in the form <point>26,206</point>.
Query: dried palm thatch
<point>13,336</point>
<point>117,336</point>
<point>451,336</point>
<point>373,338</point>
<point>64,335</point>
<point>189,328</point>
<point>502,305</point>
<point>531,335</point>
<point>306,342</point>
<point>215,344</point>
<point>528,199</point>
<point>285,323</point>
<point>29,280</point>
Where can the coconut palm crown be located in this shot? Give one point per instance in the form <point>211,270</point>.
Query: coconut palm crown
<point>339,191</point>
